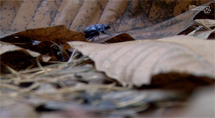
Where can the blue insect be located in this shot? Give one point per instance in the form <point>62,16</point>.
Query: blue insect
<point>93,31</point>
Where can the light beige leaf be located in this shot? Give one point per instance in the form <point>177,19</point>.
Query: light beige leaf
<point>45,58</point>
<point>204,48</point>
<point>206,25</point>
<point>135,62</point>
<point>25,14</point>
<point>206,22</point>
<point>6,47</point>
<point>204,34</point>
<point>8,13</point>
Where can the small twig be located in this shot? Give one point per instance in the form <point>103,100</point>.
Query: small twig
<point>61,83</point>
<point>38,69</point>
<point>202,24</point>
<point>35,85</point>
<point>130,102</point>
<point>14,72</point>
<point>40,66</point>
<point>72,55</point>
<point>194,31</point>
<point>61,49</point>
<point>10,87</point>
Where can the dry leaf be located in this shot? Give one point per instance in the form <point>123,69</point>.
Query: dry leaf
<point>113,38</point>
<point>204,48</point>
<point>122,15</point>
<point>57,34</point>
<point>140,60</point>
<point>202,28</point>
<point>206,22</point>
<point>8,13</point>
<point>25,14</point>
<point>204,34</point>
<point>45,58</point>
<point>134,62</point>
<point>6,47</point>
<point>44,14</point>
<point>169,27</point>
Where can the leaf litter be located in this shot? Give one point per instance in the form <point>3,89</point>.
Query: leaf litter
<point>71,85</point>
<point>135,62</point>
<point>63,86</point>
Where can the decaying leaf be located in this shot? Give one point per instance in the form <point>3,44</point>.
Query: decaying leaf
<point>57,34</point>
<point>121,15</point>
<point>120,38</point>
<point>173,26</point>
<point>134,62</point>
<point>50,42</point>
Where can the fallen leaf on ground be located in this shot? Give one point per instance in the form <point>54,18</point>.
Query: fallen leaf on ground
<point>135,62</point>
<point>204,34</point>
<point>74,89</point>
<point>57,34</point>
<point>49,41</point>
<point>8,13</point>
<point>6,47</point>
<point>121,15</point>
<point>202,28</point>
<point>206,22</point>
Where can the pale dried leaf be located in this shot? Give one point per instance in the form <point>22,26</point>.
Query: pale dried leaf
<point>206,22</point>
<point>64,15</point>
<point>121,15</point>
<point>46,58</point>
<point>23,17</point>
<point>203,34</point>
<point>204,48</point>
<point>44,14</point>
<point>134,62</point>
<point>5,47</point>
<point>8,13</point>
